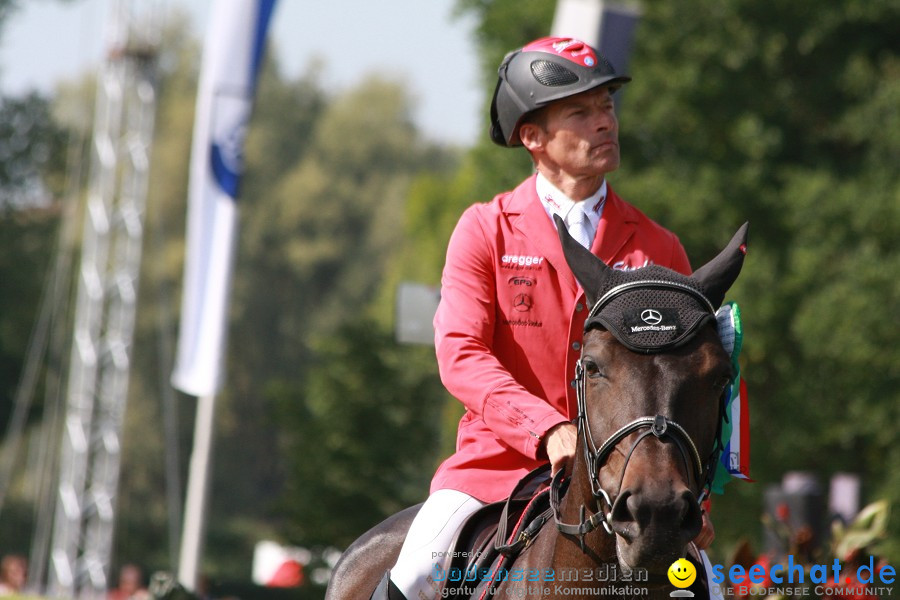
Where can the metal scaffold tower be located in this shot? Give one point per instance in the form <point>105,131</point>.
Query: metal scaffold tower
<point>80,550</point>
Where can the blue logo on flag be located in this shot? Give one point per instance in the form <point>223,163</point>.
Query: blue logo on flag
<point>231,113</point>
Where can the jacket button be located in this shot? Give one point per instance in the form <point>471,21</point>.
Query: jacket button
<point>579,307</point>
<point>576,346</point>
<point>573,383</point>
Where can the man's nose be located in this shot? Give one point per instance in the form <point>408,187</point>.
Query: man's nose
<point>604,120</point>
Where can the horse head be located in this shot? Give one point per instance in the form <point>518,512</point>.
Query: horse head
<point>651,381</point>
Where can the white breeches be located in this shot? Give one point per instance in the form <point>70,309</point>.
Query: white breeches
<point>427,542</point>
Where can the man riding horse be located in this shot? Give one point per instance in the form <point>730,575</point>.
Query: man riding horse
<point>509,328</point>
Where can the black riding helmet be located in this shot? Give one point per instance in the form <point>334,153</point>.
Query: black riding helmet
<point>545,70</point>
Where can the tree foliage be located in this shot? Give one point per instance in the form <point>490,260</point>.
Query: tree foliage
<point>365,434</point>
<point>32,179</point>
<point>316,243</point>
<point>321,202</point>
<point>755,111</point>
<point>31,153</point>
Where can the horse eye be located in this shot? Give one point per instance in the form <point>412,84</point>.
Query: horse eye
<point>592,370</point>
<point>722,383</point>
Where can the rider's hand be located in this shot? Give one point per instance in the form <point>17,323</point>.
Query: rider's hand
<point>707,533</point>
<point>560,445</point>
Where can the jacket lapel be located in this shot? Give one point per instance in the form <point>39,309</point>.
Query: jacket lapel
<point>617,224</point>
<point>527,215</point>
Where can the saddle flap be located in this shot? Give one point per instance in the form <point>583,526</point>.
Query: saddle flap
<point>500,530</point>
<point>475,539</point>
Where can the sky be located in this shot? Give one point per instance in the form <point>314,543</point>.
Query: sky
<point>418,41</point>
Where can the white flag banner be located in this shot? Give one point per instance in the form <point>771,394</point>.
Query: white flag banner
<point>232,54</point>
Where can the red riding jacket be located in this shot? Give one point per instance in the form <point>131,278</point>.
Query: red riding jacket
<point>508,329</point>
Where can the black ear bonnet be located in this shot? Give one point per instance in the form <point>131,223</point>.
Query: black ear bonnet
<point>653,309</point>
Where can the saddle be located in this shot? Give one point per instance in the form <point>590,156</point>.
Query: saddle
<point>495,534</point>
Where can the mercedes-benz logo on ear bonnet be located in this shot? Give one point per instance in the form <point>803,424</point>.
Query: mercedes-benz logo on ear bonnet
<point>651,317</point>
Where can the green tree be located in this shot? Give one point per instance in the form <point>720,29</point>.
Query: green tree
<point>239,506</point>
<point>779,114</point>
<point>316,244</point>
<point>364,434</point>
<point>32,173</point>
<point>31,145</point>
<point>321,201</point>
<point>322,204</point>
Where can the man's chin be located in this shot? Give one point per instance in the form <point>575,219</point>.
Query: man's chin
<point>606,157</point>
<point>601,167</point>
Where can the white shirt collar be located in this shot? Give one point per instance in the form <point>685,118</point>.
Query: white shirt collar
<point>555,202</point>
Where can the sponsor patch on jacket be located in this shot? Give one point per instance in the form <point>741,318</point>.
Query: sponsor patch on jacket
<point>521,260</point>
<point>523,302</point>
<point>522,280</point>
<point>621,265</point>
<point>522,323</point>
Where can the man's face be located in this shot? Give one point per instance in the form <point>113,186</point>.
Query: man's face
<point>581,134</point>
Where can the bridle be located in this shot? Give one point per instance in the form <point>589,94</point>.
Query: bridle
<point>659,426</point>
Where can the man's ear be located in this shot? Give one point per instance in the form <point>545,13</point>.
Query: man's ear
<point>532,136</point>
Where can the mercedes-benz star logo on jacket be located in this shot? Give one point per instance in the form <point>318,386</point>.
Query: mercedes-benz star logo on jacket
<point>522,302</point>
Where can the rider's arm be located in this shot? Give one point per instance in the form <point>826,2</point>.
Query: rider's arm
<point>464,335</point>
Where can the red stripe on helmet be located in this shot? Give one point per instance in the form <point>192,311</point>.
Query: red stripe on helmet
<point>569,48</point>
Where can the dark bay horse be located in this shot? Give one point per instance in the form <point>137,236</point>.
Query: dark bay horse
<point>651,380</point>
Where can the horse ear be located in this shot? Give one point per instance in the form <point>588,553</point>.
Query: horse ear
<point>720,273</point>
<point>591,272</point>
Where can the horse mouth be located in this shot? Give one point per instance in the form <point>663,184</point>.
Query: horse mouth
<point>654,527</point>
<point>653,559</point>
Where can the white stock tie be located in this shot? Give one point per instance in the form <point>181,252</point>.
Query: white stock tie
<point>580,227</point>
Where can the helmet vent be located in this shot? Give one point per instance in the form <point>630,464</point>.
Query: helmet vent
<point>552,74</point>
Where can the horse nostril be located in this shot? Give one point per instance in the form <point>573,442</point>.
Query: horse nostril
<point>624,515</point>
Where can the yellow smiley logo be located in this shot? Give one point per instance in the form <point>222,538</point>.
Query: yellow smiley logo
<point>682,573</point>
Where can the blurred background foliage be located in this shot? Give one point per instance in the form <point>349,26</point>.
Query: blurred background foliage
<point>782,114</point>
